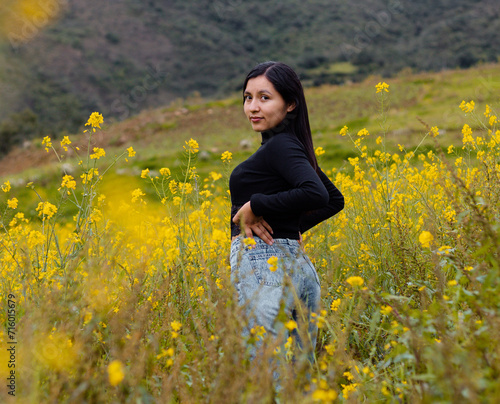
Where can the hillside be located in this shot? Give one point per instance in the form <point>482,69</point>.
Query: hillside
<point>158,134</point>
<point>124,56</point>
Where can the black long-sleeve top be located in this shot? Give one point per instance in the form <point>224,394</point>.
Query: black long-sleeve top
<point>283,188</point>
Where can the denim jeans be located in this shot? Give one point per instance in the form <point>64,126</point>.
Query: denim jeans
<point>292,286</point>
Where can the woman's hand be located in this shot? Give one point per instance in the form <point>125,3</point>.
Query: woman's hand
<point>252,224</point>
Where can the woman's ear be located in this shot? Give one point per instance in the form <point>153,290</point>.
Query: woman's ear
<point>290,107</point>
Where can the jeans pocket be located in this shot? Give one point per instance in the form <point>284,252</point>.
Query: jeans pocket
<point>310,270</point>
<point>269,274</point>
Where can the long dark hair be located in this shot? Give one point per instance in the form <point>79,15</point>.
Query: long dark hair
<point>287,83</point>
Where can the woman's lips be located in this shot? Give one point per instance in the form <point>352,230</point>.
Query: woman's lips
<point>255,119</point>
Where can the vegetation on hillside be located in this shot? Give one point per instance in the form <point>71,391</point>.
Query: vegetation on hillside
<point>124,56</point>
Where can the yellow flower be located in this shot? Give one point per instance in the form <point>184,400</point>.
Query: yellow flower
<point>47,143</point>
<point>115,372</point>
<point>46,210</point>
<point>344,130</point>
<point>165,171</point>
<point>319,151</point>
<point>355,281</point>
<point>6,186</point>
<point>192,146</point>
<point>425,239</point>
<point>98,153</point>
<point>215,176</point>
<point>249,242</point>
<point>363,132</point>
<point>335,305</point>
<point>468,139</point>
<point>68,182</point>
<point>131,152</point>
<point>467,106</point>
<point>385,310</point>
<point>65,142</point>
<point>176,326</point>
<point>382,86</point>
<point>434,131</point>
<point>95,120</point>
<point>137,194</point>
<point>291,325</point>
<point>144,173</point>
<point>227,156</point>
<point>12,203</point>
<point>273,263</point>
<point>493,120</point>
<point>444,249</point>
<point>487,112</point>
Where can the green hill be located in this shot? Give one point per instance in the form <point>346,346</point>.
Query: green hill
<point>124,56</point>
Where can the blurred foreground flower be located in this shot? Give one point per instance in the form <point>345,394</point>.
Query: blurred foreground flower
<point>115,372</point>
<point>425,239</point>
<point>355,281</point>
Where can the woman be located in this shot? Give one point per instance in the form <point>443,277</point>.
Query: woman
<point>277,194</point>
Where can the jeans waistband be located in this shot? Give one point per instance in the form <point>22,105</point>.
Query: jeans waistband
<point>283,241</point>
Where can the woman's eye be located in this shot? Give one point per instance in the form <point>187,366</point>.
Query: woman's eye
<point>264,97</point>
<point>247,97</point>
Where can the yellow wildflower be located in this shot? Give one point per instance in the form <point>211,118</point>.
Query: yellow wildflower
<point>95,120</point>
<point>335,305</point>
<point>6,186</point>
<point>363,132</point>
<point>385,310</point>
<point>115,372</point>
<point>165,171</point>
<point>131,152</point>
<point>137,194</point>
<point>47,143</point>
<point>273,263</point>
<point>227,156</point>
<point>192,146</point>
<point>467,106</point>
<point>12,203</point>
<point>176,325</point>
<point>344,130</point>
<point>425,239</point>
<point>382,86</point>
<point>68,182</point>
<point>249,242</point>
<point>46,210</point>
<point>487,112</point>
<point>65,142</point>
<point>291,325</point>
<point>319,151</point>
<point>98,153</point>
<point>355,281</point>
<point>145,173</point>
<point>434,131</point>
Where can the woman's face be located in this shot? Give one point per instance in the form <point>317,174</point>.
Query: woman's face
<point>264,107</point>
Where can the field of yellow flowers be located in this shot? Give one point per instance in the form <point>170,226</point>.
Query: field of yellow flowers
<point>128,299</point>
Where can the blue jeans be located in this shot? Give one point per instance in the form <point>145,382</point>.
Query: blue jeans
<point>293,286</point>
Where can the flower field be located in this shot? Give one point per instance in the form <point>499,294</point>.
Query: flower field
<point>118,297</point>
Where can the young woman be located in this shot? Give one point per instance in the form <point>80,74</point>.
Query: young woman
<point>277,194</point>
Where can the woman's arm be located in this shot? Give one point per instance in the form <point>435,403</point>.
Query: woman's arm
<point>286,158</point>
<point>311,218</point>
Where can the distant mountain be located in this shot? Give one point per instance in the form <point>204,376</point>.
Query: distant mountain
<point>121,56</point>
